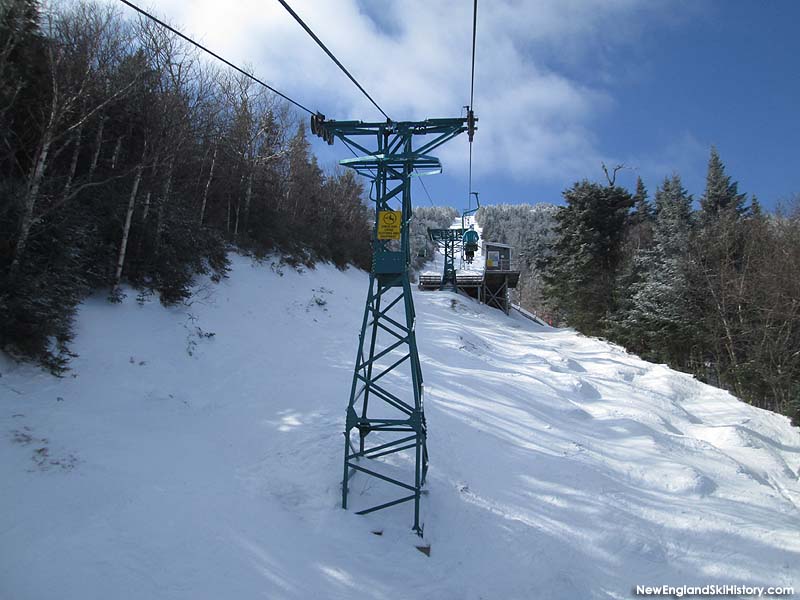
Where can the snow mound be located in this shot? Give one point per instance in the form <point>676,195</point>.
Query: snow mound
<point>196,452</point>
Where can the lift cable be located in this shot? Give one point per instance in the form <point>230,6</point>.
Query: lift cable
<point>474,32</point>
<point>472,96</point>
<point>333,58</point>
<point>424,187</point>
<point>469,192</point>
<point>217,56</point>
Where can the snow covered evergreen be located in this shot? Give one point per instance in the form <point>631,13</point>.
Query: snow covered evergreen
<point>658,315</point>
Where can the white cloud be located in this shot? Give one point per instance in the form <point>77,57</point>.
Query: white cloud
<point>413,57</point>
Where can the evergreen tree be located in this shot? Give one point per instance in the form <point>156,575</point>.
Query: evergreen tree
<point>305,184</point>
<point>755,210</point>
<point>640,221</point>
<point>717,267</point>
<point>580,276</point>
<point>23,74</point>
<point>721,194</point>
<point>348,231</point>
<point>657,322</point>
<point>638,239</point>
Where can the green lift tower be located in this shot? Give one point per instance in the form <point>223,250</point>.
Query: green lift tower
<point>386,397</point>
<point>449,242</point>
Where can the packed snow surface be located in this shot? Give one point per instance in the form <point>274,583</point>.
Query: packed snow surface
<point>171,463</point>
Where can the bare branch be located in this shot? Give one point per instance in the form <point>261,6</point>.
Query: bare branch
<point>612,178</point>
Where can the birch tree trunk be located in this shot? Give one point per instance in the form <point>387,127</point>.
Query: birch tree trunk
<point>153,171</point>
<point>208,185</point>
<point>73,165</point>
<point>115,156</point>
<point>146,210</point>
<point>123,246</point>
<point>98,144</point>
<point>32,191</point>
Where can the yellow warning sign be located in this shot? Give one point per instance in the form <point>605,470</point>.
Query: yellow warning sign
<point>389,224</point>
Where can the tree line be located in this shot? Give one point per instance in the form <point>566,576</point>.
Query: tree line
<point>124,157</point>
<point>711,291</point>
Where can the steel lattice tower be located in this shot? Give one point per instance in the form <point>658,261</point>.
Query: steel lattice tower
<point>449,241</point>
<point>387,393</point>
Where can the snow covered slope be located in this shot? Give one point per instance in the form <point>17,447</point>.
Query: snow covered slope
<point>173,464</point>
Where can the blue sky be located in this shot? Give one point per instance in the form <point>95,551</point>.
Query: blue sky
<point>561,85</point>
<point>728,76</point>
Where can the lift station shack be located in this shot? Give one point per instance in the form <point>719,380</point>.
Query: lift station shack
<point>499,275</point>
<point>498,256</point>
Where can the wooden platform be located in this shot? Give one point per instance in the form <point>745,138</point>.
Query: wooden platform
<point>492,277</point>
<point>489,287</point>
<point>429,281</point>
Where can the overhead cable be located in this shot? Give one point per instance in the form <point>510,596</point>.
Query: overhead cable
<point>469,193</point>
<point>215,55</point>
<point>472,96</point>
<point>424,187</point>
<point>330,54</point>
<point>474,32</point>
